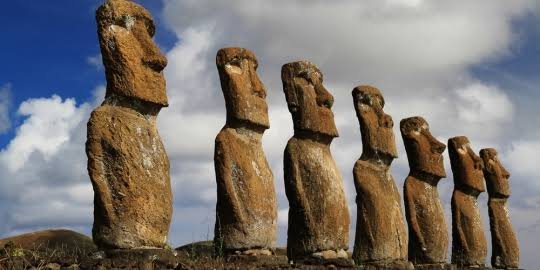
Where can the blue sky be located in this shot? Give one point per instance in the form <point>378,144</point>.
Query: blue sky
<point>469,68</point>
<point>46,49</point>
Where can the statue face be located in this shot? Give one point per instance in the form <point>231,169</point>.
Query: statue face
<point>245,94</point>
<point>423,150</point>
<point>133,63</point>
<point>375,125</point>
<point>308,100</point>
<point>466,165</point>
<point>495,174</point>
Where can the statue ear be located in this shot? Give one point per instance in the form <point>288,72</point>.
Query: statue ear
<point>490,166</point>
<point>292,99</point>
<point>289,87</point>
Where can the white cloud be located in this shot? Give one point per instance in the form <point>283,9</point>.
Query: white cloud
<point>480,104</point>
<point>522,160</point>
<point>418,52</point>
<point>49,124</point>
<point>44,182</point>
<point>352,41</point>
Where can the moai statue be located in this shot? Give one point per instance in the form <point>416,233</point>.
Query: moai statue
<point>318,212</point>
<point>505,251</point>
<point>428,235</point>
<point>381,237</point>
<point>127,163</point>
<point>469,246</point>
<point>246,210</point>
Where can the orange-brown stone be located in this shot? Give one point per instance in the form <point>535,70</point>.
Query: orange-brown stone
<point>469,247</point>
<point>246,210</point>
<point>129,170</point>
<point>381,236</point>
<point>428,235</point>
<point>505,247</point>
<point>127,163</point>
<point>318,212</point>
<point>133,62</point>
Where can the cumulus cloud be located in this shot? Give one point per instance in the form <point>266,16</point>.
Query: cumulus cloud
<point>48,125</point>
<point>418,52</point>
<point>44,183</point>
<point>522,161</point>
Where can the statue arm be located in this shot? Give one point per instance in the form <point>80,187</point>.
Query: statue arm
<point>223,165</point>
<point>411,216</point>
<point>494,227</point>
<point>294,189</point>
<point>461,234</point>
<point>98,171</point>
<point>363,197</point>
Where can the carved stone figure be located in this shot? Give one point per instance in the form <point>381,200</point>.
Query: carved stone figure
<point>246,210</point>
<point>380,229</point>
<point>318,211</point>
<point>469,247</point>
<point>428,235</point>
<point>127,163</point>
<point>505,247</point>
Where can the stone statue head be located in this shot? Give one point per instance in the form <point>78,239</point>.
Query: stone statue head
<point>495,174</point>
<point>424,152</point>
<point>245,94</point>
<point>466,165</point>
<point>133,63</point>
<point>308,100</point>
<point>375,125</point>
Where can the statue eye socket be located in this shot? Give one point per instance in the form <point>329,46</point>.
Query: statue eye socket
<point>237,62</point>
<point>366,99</point>
<point>305,75</point>
<point>151,28</point>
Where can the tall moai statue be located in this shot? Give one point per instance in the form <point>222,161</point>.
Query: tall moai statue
<point>505,247</point>
<point>381,237</point>
<point>469,247</point>
<point>318,212</point>
<point>428,231</point>
<point>127,163</point>
<point>246,210</point>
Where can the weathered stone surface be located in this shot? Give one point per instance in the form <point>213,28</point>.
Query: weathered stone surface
<point>393,265</point>
<point>127,163</point>
<point>428,235</point>
<point>469,247</point>
<point>439,266</point>
<point>318,212</point>
<point>380,230</point>
<point>505,247</point>
<point>308,100</point>
<point>133,62</point>
<point>129,170</point>
<point>246,210</point>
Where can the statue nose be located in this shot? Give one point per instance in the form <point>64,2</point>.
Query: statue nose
<point>506,174</point>
<point>386,121</point>
<point>437,147</point>
<point>324,98</point>
<point>258,87</point>
<point>157,62</point>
